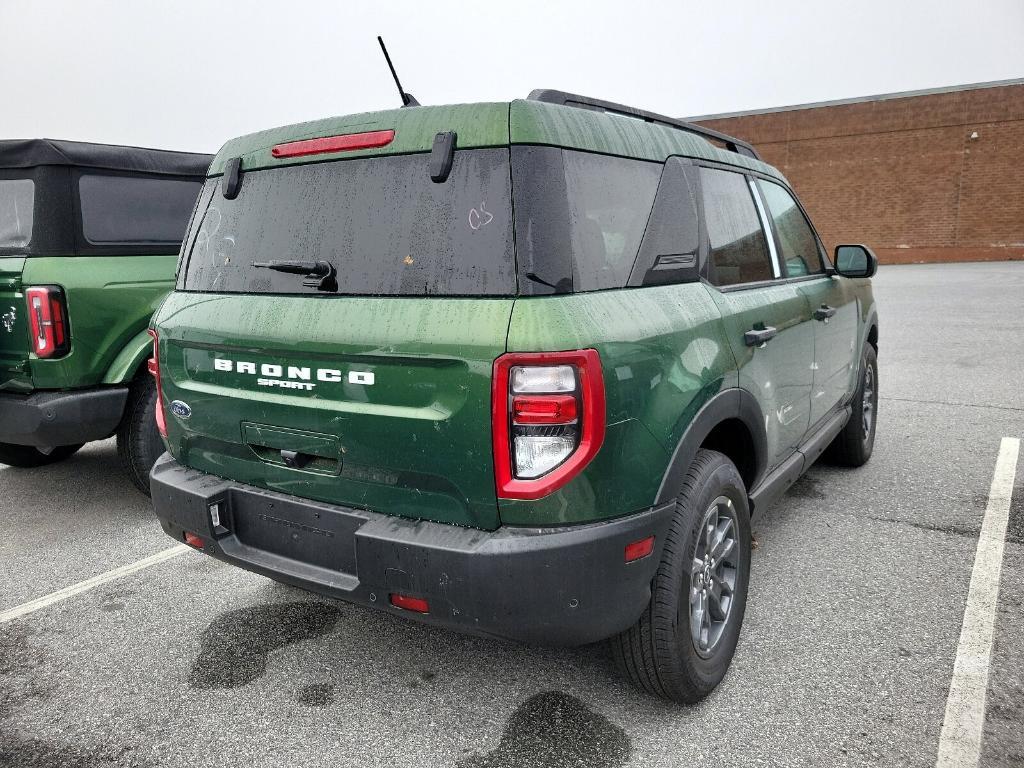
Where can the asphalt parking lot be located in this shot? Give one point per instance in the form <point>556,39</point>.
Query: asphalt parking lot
<point>860,580</point>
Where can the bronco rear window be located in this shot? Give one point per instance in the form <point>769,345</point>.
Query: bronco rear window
<point>16,205</point>
<point>381,222</point>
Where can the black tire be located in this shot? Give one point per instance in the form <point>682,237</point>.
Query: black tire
<point>138,442</point>
<point>26,456</point>
<point>659,654</point>
<point>853,446</point>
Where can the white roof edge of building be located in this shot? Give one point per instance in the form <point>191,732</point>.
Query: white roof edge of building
<point>861,99</point>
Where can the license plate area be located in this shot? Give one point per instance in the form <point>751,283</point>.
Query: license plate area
<point>307,532</point>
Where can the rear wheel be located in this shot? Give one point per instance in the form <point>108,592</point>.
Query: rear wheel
<point>681,647</point>
<point>26,456</point>
<point>853,446</point>
<point>138,442</point>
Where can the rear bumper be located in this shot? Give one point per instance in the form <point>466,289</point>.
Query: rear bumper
<point>549,586</point>
<point>49,419</point>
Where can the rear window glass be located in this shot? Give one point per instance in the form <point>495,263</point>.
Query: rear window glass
<point>16,205</point>
<point>126,209</point>
<point>386,227</point>
<point>739,250</point>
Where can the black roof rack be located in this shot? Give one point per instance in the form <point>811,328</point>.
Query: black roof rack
<point>597,105</point>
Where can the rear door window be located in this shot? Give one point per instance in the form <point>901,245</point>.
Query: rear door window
<point>17,198</point>
<point>134,209</point>
<point>386,227</point>
<point>738,248</point>
<point>797,242</point>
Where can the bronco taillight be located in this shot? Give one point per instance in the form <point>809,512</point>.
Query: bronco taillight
<point>154,369</point>
<point>48,321</point>
<point>548,419</point>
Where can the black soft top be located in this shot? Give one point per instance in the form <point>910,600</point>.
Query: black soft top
<point>30,153</point>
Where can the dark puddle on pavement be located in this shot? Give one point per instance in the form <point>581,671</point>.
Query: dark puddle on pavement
<point>234,648</point>
<point>316,695</point>
<point>555,730</point>
<point>21,657</point>
<point>806,488</point>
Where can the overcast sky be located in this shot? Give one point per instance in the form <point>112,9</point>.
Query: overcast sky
<point>190,74</point>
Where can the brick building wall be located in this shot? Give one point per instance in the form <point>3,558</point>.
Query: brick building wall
<point>902,173</point>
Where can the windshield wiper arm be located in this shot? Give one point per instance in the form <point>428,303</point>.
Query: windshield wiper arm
<point>319,274</point>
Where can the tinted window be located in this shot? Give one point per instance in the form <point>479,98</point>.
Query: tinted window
<point>122,209</point>
<point>739,251</point>
<point>610,200</point>
<point>16,205</point>
<point>384,225</point>
<point>799,246</point>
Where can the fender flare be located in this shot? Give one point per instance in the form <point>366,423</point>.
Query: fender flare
<point>729,404</point>
<point>133,355</point>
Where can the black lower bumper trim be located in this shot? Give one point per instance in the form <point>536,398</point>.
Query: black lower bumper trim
<point>49,419</point>
<point>550,586</point>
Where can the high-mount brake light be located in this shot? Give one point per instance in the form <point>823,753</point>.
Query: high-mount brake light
<point>48,321</point>
<point>346,143</point>
<point>154,368</point>
<point>547,419</point>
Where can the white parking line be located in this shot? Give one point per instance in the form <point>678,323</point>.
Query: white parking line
<point>960,742</point>
<point>84,586</point>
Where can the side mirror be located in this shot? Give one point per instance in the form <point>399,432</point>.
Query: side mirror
<point>855,261</point>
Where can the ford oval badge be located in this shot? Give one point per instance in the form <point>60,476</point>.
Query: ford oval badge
<point>180,409</point>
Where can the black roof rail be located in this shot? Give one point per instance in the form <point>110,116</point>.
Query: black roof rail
<point>731,143</point>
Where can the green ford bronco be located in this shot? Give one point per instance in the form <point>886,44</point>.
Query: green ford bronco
<point>521,369</point>
<point>88,239</point>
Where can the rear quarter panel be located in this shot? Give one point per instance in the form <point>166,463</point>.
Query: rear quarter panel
<point>110,301</point>
<point>663,355</point>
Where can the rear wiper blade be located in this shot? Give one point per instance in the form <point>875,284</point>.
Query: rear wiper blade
<point>319,274</point>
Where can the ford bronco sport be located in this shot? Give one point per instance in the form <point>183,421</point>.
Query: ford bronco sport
<point>88,239</point>
<point>522,369</point>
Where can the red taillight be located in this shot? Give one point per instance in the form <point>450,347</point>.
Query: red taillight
<point>543,409</point>
<point>194,541</point>
<point>417,604</point>
<point>639,549</point>
<point>154,368</point>
<point>547,419</point>
<point>346,143</point>
<point>48,321</point>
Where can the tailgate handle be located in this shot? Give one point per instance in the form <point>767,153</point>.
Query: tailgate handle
<point>295,459</point>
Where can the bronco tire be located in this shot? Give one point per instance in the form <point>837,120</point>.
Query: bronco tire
<point>138,442</point>
<point>681,647</point>
<point>853,446</point>
<point>26,456</point>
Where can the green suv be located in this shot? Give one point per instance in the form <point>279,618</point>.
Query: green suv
<point>521,369</point>
<point>88,239</point>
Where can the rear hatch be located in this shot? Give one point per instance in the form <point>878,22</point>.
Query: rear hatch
<point>372,393</point>
<point>16,213</point>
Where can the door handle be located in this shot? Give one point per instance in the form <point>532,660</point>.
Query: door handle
<point>824,312</point>
<point>758,337</point>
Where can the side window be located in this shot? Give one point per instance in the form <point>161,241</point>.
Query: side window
<point>739,250</point>
<point>135,209</point>
<point>796,238</point>
<point>16,208</point>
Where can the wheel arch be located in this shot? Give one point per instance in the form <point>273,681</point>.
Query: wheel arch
<point>131,360</point>
<point>732,423</point>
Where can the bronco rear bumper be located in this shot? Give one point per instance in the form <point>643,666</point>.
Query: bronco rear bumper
<point>49,419</point>
<point>550,586</point>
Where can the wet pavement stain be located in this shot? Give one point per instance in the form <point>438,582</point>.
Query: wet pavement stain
<point>234,648</point>
<point>555,730</point>
<point>954,530</point>
<point>316,695</point>
<point>806,488</point>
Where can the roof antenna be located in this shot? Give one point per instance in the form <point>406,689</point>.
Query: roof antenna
<point>408,100</point>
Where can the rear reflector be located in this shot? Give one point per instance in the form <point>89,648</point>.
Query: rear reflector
<point>417,604</point>
<point>194,541</point>
<point>347,143</point>
<point>639,549</point>
<point>154,368</point>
